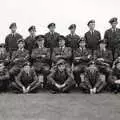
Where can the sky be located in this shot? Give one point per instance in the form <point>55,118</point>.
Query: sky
<point>62,12</point>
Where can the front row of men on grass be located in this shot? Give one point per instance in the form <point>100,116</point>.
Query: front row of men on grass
<point>58,63</point>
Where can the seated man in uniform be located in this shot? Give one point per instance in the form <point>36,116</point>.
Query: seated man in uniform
<point>114,78</point>
<point>62,52</point>
<point>60,80</point>
<point>4,55</point>
<point>103,58</point>
<point>4,77</point>
<point>81,57</point>
<point>92,81</point>
<point>18,59</point>
<point>27,80</point>
<point>41,57</point>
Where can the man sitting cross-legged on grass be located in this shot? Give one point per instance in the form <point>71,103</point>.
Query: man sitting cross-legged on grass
<point>114,78</point>
<point>27,80</point>
<point>92,81</point>
<point>60,80</point>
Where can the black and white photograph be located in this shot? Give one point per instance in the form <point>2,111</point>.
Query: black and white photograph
<point>60,60</point>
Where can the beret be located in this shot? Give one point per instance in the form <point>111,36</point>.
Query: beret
<point>32,28</point>
<point>91,21</point>
<point>72,26</point>
<point>60,62</point>
<point>40,37</point>
<point>12,25</point>
<point>20,40</point>
<point>82,39</point>
<point>27,63</point>
<point>113,20</point>
<point>61,37</point>
<point>51,25</point>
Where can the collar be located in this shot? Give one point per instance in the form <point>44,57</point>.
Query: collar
<point>52,33</point>
<point>114,29</point>
<point>63,47</point>
<point>73,34</point>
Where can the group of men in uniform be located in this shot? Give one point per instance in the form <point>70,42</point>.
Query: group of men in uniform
<point>60,63</point>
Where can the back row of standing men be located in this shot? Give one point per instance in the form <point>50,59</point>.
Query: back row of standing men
<point>54,55</point>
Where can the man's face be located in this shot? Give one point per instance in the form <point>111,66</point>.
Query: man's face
<point>118,66</point>
<point>32,32</point>
<point>72,30</point>
<point>52,29</point>
<point>20,45</point>
<point>92,26</point>
<point>61,43</point>
<point>61,67</point>
<point>13,29</point>
<point>114,24</point>
<point>27,68</point>
<point>40,43</point>
<point>82,44</point>
<point>102,46</point>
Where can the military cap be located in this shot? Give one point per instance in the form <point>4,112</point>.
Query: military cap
<point>32,28</point>
<point>113,20</point>
<point>91,21</point>
<point>91,63</point>
<point>61,37</point>
<point>20,40</point>
<point>82,39</point>
<point>51,25</point>
<point>2,45</point>
<point>60,62</point>
<point>73,26</point>
<point>12,25</point>
<point>40,37</point>
<point>103,41</point>
<point>27,63</point>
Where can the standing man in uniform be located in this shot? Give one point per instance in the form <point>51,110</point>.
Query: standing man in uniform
<point>72,40</point>
<point>30,40</point>
<point>112,36</point>
<point>12,38</point>
<point>51,38</point>
<point>92,37</point>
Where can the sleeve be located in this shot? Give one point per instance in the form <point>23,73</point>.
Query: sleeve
<point>6,43</point>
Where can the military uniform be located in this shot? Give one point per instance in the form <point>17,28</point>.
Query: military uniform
<point>30,41</point>
<point>41,57</point>
<point>62,53</point>
<point>60,77</point>
<point>26,79</point>
<point>113,37</point>
<point>4,79</point>
<point>92,38</point>
<point>4,55</point>
<point>92,78</point>
<point>72,40</point>
<point>18,59</point>
<point>81,57</point>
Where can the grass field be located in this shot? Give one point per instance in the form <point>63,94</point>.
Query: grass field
<point>46,106</point>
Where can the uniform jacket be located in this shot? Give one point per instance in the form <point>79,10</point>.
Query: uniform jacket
<point>21,56</point>
<point>4,75</point>
<point>11,42</point>
<point>51,41</point>
<point>37,55</point>
<point>113,38</point>
<point>72,41</point>
<point>92,41</point>
<point>30,43</point>
<point>64,53</point>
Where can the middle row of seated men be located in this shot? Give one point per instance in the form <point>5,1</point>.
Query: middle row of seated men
<point>59,70</point>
